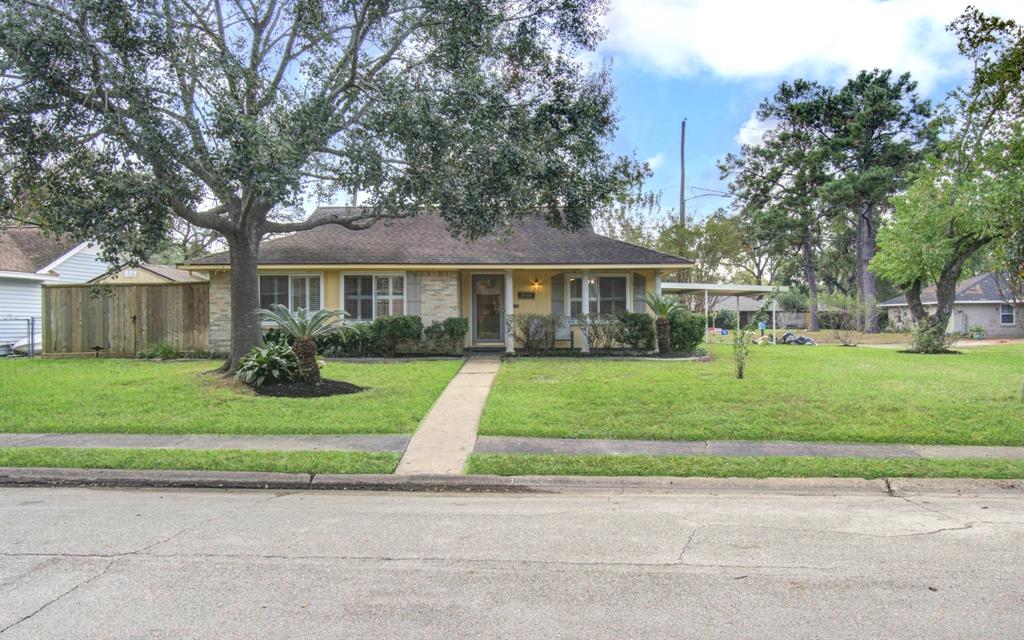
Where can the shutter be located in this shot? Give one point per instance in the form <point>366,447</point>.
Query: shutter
<point>562,331</point>
<point>413,301</point>
<point>313,285</point>
<point>639,288</point>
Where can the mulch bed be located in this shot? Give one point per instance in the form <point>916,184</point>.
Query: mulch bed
<point>303,390</point>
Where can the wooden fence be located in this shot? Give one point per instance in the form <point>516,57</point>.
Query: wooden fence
<point>123,319</point>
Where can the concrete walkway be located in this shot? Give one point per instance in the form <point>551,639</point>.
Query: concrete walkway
<point>446,436</point>
<point>261,443</point>
<point>570,446</point>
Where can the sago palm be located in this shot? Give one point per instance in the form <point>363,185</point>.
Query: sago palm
<point>304,327</point>
<point>663,307</point>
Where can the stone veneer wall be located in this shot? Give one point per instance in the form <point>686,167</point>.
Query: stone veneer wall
<point>439,296</point>
<point>220,311</point>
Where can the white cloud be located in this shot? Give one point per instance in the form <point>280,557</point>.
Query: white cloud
<point>752,131</point>
<point>655,161</point>
<point>824,40</point>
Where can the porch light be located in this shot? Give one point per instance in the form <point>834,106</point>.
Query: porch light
<point>535,284</point>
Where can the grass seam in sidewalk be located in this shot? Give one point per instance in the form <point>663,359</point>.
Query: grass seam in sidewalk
<point>742,467</point>
<point>311,462</point>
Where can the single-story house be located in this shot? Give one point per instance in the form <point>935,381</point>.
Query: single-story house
<point>414,266</point>
<point>28,259</point>
<point>980,301</point>
<point>147,273</point>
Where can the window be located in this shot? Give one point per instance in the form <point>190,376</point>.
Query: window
<point>1006,314</point>
<point>608,295</point>
<point>294,292</point>
<point>368,297</point>
<point>359,297</point>
<point>130,273</point>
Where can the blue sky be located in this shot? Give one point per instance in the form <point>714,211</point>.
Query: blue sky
<point>713,62</point>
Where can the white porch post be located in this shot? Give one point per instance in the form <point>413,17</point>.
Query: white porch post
<point>657,283</point>
<point>510,336</point>
<point>585,338</point>
<point>737,314</point>
<point>774,338</point>
<point>706,314</point>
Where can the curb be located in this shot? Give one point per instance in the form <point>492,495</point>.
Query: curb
<point>165,479</point>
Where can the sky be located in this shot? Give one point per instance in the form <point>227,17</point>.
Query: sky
<point>713,61</point>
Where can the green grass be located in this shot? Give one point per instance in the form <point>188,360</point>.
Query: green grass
<point>823,393</point>
<point>132,396</point>
<point>728,467</point>
<point>219,460</point>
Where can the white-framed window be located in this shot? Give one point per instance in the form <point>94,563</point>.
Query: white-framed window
<point>369,296</point>
<point>130,273</point>
<point>1006,314</point>
<point>609,295</point>
<point>298,291</point>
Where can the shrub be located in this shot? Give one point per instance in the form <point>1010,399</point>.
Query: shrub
<point>389,332</point>
<point>724,319</point>
<point>741,351</point>
<point>842,317</point>
<point>792,301</point>
<point>925,339</point>
<point>273,362</point>
<point>447,336</point>
<point>601,331</point>
<point>663,307</point>
<point>305,328</point>
<point>535,332</point>
<point>636,331</point>
<point>686,331</point>
<point>160,351</point>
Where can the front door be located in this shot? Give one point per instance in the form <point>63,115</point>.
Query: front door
<point>488,311</point>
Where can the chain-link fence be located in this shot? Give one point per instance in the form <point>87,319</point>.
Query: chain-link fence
<point>20,336</point>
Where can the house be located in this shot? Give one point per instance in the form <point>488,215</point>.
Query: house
<point>980,301</point>
<point>28,258</point>
<point>147,273</point>
<point>414,266</point>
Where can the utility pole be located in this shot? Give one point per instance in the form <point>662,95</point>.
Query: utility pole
<point>682,176</point>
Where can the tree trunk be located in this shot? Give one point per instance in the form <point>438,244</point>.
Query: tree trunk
<point>661,328</point>
<point>811,275</point>
<point>305,353</point>
<point>246,332</point>
<point>868,296</point>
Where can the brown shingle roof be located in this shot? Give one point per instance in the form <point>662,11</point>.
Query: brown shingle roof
<point>981,288</point>
<point>172,274</point>
<point>27,250</point>
<point>425,239</point>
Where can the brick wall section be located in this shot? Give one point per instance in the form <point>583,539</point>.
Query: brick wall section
<point>439,296</point>
<point>220,311</point>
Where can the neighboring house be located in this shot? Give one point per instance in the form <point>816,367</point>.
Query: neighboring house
<point>980,301</point>
<point>414,266</point>
<point>27,260</point>
<point>146,273</point>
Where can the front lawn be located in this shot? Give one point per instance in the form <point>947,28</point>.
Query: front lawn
<point>821,393</point>
<point>215,460</point>
<point>133,396</point>
<point>742,467</point>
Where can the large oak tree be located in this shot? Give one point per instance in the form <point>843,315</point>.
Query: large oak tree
<point>118,116</point>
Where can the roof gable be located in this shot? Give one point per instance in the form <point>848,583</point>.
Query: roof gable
<point>425,239</point>
<point>986,287</point>
<point>27,250</point>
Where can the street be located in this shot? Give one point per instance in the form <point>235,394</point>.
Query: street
<point>132,563</point>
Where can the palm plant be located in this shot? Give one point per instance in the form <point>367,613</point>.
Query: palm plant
<point>303,327</point>
<point>664,307</point>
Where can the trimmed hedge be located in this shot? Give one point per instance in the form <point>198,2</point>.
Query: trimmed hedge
<point>685,332</point>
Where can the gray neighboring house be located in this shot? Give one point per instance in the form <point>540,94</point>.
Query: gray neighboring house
<point>980,301</point>
<point>28,259</point>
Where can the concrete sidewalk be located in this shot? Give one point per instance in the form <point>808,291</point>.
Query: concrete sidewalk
<point>571,446</point>
<point>390,443</point>
<point>446,436</point>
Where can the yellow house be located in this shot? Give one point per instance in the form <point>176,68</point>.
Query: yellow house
<point>414,266</point>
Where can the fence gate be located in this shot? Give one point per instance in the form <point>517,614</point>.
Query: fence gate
<point>123,319</point>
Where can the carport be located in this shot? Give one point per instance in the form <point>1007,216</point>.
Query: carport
<point>721,290</point>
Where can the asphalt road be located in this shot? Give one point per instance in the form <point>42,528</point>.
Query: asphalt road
<point>128,563</point>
